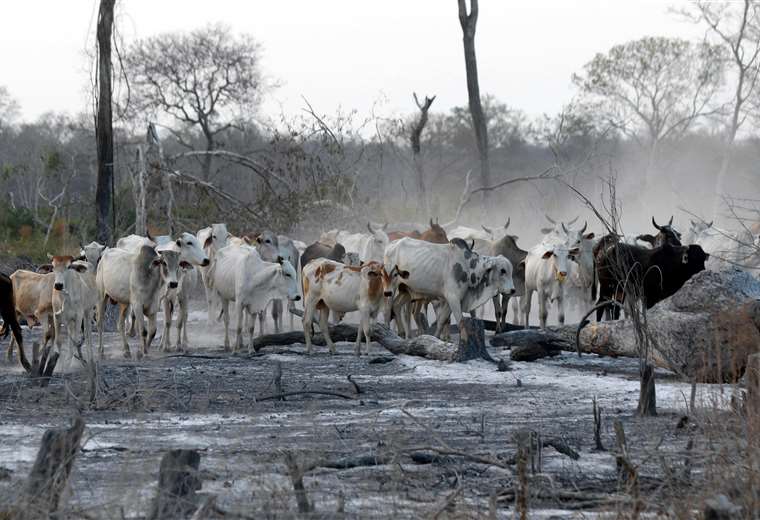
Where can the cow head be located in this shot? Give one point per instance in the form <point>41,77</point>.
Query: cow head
<point>376,280</point>
<point>63,267</point>
<point>379,241</point>
<point>697,228</point>
<point>92,253</point>
<point>667,235</point>
<point>499,272</point>
<point>216,239</point>
<point>436,234</point>
<point>268,246</point>
<point>498,233</point>
<point>396,277</point>
<point>191,251</point>
<point>560,255</point>
<point>168,261</point>
<point>290,279</point>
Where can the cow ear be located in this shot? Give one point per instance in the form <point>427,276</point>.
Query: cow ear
<point>49,256</point>
<point>547,255</point>
<point>258,239</point>
<point>187,266</point>
<point>546,230</point>
<point>588,236</point>
<point>179,242</point>
<point>280,260</point>
<point>79,268</point>
<point>574,251</point>
<point>45,268</point>
<point>208,241</point>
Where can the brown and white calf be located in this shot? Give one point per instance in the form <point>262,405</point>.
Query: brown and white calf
<point>73,299</point>
<point>329,285</point>
<point>33,294</point>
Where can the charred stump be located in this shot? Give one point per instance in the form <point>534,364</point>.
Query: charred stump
<point>47,481</point>
<point>472,342</point>
<point>178,481</point>
<point>647,395</point>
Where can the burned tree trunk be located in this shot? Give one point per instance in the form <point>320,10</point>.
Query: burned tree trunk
<point>472,342</point>
<point>419,167</point>
<point>178,481</point>
<point>104,126</point>
<point>50,473</point>
<point>647,395</point>
<point>469,23</point>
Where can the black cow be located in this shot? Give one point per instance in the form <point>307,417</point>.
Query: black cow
<point>625,270</point>
<point>319,250</point>
<point>10,321</point>
<point>666,235</point>
<point>507,247</point>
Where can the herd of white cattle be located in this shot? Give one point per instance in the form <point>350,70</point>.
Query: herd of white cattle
<point>397,273</point>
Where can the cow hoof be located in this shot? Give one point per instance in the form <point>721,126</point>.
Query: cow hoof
<point>127,354</point>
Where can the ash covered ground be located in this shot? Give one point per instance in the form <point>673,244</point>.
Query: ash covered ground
<point>209,400</point>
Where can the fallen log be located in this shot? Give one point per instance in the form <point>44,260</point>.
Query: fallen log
<point>472,345</point>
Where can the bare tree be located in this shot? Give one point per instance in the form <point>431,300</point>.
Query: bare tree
<point>653,89</point>
<point>736,26</point>
<point>202,79</point>
<point>419,166</point>
<point>104,125</point>
<point>468,23</point>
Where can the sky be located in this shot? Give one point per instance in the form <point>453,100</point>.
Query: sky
<point>353,54</point>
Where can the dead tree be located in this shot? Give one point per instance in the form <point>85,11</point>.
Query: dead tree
<point>104,126</point>
<point>419,167</point>
<point>178,480</point>
<point>468,23</point>
<point>50,473</point>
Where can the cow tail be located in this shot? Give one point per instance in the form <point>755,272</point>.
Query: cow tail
<point>593,282</point>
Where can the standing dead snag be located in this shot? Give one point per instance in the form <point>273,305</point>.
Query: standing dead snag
<point>597,426</point>
<point>178,481</point>
<point>104,126</point>
<point>415,136</point>
<point>468,23</point>
<point>50,473</point>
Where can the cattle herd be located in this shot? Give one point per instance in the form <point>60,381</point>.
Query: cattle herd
<point>396,273</point>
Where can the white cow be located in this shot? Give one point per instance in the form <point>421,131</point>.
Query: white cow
<point>212,239</point>
<point>369,247</point>
<point>452,272</point>
<point>480,240</point>
<point>333,286</point>
<point>725,248</point>
<point>546,271</point>
<point>91,252</point>
<point>190,254</point>
<point>134,279</point>
<point>267,244</point>
<point>73,299</point>
<point>238,274</point>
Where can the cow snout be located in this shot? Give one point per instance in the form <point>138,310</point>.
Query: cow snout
<point>58,286</point>
<point>205,262</point>
<point>512,291</point>
<point>297,299</point>
<point>173,285</point>
<point>387,293</point>
<point>563,273</point>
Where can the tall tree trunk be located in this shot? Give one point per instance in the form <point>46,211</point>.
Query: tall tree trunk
<point>419,167</point>
<point>468,23</point>
<point>104,126</point>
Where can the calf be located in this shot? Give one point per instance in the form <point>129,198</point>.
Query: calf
<point>134,279</point>
<point>190,254</point>
<point>332,286</point>
<point>212,239</point>
<point>73,299</point>
<point>546,269</point>
<point>238,274</point>
<point>91,253</point>
<point>33,294</point>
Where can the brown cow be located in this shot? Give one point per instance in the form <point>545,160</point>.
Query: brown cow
<point>436,234</point>
<point>33,294</point>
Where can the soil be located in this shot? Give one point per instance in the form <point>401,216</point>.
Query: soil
<point>210,400</point>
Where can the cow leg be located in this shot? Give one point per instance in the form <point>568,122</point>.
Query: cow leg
<point>182,324</point>
<point>291,308</point>
<point>443,318</point>
<point>543,312</point>
<point>166,336</point>
<point>226,315</point>
<point>152,328</point>
<point>121,326</point>
<point>87,334</point>
<point>497,311</point>
<point>251,329</point>
<point>100,316</point>
<point>525,303</point>
<point>308,317</point>
<point>363,327</point>
<point>142,331</point>
<point>325,327</point>
<point>515,310</point>
<point>277,315</point>
<point>132,324</point>
<point>240,313</point>
<point>561,309</point>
